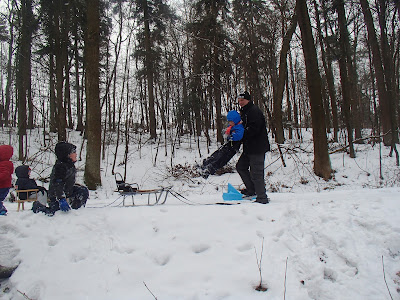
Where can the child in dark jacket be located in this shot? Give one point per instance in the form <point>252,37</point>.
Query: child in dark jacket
<point>62,183</point>
<point>24,182</point>
<point>6,170</point>
<point>234,135</point>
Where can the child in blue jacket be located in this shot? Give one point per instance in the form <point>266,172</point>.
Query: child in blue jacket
<point>234,135</point>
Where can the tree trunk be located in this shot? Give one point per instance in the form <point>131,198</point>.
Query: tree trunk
<point>93,116</point>
<point>67,97</point>
<point>322,163</point>
<point>384,102</point>
<point>217,95</point>
<point>327,63</point>
<point>61,117</point>
<point>216,67</point>
<point>53,100</point>
<point>389,73</point>
<point>29,95</point>
<point>282,78</point>
<point>23,72</point>
<point>149,72</point>
<point>344,75</point>
<point>295,106</point>
<point>352,77</point>
<point>79,106</point>
<point>9,70</point>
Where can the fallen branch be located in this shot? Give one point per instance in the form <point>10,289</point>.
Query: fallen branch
<point>149,290</point>
<point>23,294</point>
<point>384,277</point>
<point>358,140</point>
<point>284,286</point>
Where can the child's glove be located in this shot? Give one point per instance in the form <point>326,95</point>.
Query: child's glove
<point>64,206</point>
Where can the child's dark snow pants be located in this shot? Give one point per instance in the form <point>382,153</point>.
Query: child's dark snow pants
<point>219,158</point>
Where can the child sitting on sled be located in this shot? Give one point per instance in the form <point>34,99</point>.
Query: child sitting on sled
<point>24,182</point>
<point>234,135</point>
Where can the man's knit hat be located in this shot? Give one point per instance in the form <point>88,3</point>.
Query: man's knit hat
<point>245,95</point>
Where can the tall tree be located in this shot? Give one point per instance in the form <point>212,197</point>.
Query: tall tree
<point>93,116</point>
<point>152,14</point>
<point>384,101</point>
<point>322,163</point>
<point>345,73</point>
<point>23,80</point>
<point>389,55</point>
<point>11,17</point>
<point>59,48</point>
<point>281,79</point>
<point>210,44</point>
<point>218,36</point>
<point>326,57</point>
<point>255,47</point>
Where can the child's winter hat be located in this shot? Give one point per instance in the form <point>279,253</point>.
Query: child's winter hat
<point>22,171</point>
<point>6,152</point>
<point>245,95</point>
<point>63,149</point>
<point>234,116</point>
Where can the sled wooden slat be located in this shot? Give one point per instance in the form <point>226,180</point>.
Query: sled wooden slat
<point>19,201</point>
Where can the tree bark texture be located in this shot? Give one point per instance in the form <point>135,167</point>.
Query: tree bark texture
<point>93,116</point>
<point>327,63</point>
<point>59,68</point>
<point>149,71</point>
<point>23,72</point>
<point>345,75</point>
<point>384,102</point>
<point>282,78</point>
<point>322,164</point>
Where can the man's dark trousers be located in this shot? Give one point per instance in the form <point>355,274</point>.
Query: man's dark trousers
<point>253,179</point>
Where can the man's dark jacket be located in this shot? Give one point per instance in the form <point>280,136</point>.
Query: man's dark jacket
<point>62,178</point>
<point>255,138</point>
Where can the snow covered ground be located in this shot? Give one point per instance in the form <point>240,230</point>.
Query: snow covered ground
<point>315,240</point>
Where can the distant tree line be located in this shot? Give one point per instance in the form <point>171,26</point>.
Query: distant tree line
<point>110,67</point>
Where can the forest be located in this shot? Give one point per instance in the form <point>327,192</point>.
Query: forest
<point>166,69</point>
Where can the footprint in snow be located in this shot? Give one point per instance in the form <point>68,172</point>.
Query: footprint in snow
<point>162,260</point>
<point>199,248</point>
<point>52,242</point>
<point>245,247</point>
<point>261,218</point>
<point>330,275</point>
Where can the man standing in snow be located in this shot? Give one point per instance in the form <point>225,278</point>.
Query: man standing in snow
<point>250,165</point>
<point>62,183</point>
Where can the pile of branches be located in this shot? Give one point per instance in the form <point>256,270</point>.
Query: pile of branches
<point>180,171</point>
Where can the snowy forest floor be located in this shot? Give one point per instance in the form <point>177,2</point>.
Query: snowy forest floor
<point>317,239</point>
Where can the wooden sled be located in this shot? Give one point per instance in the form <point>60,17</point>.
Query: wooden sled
<point>154,196</point>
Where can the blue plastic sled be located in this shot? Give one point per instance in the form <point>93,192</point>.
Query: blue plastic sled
<point>232,194</point>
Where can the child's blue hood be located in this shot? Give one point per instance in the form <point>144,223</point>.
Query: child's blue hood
<point>234,116</point>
